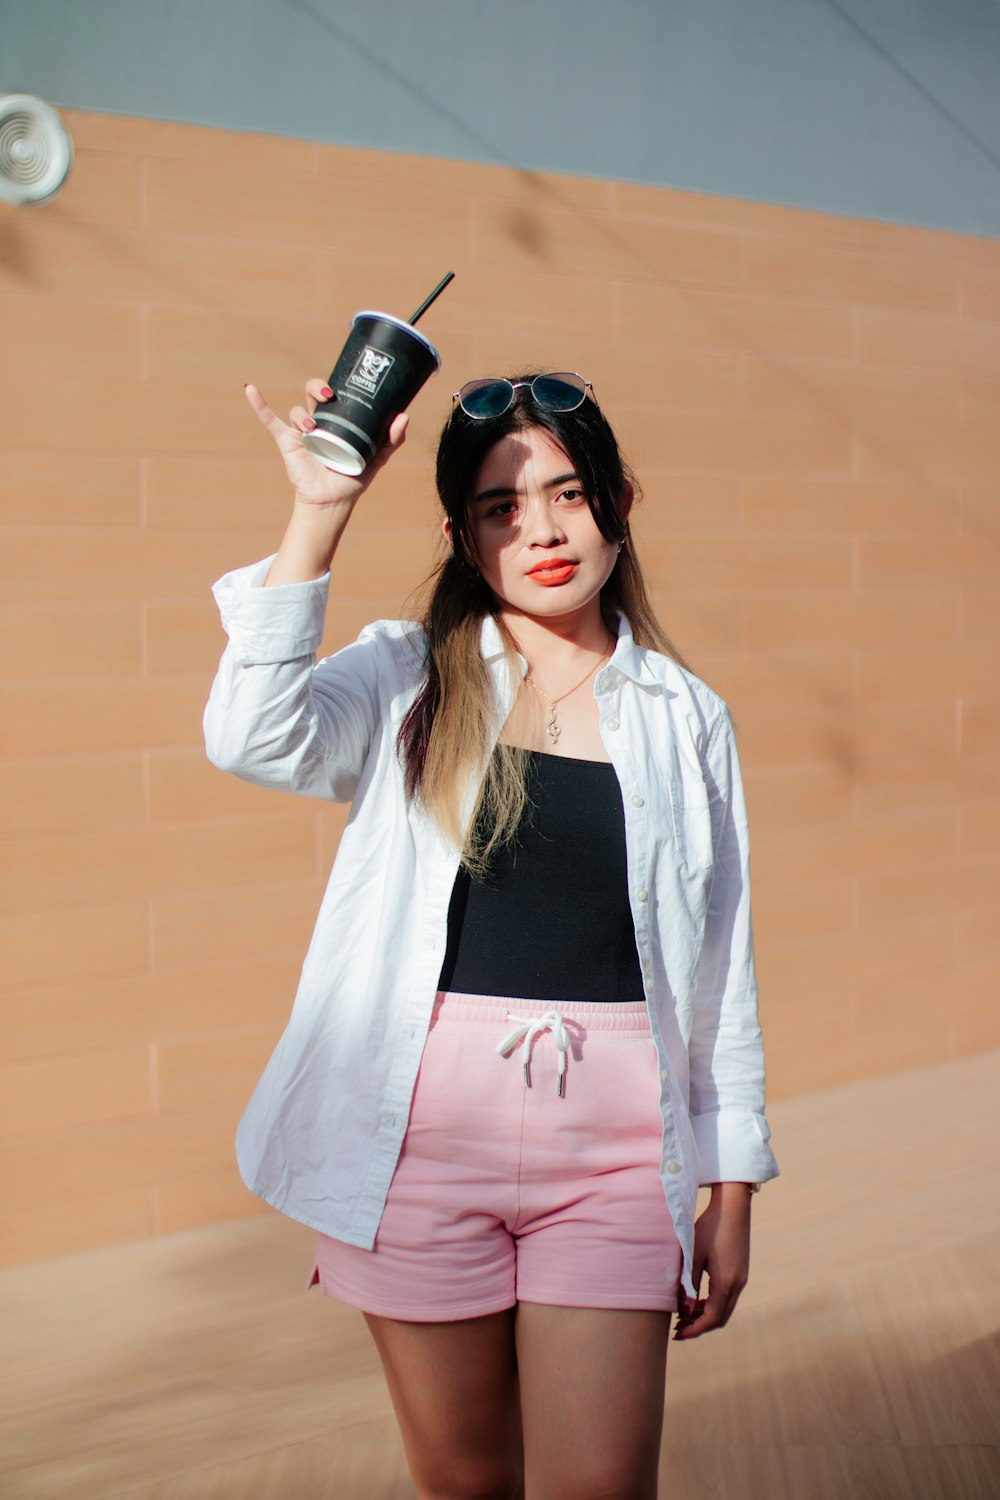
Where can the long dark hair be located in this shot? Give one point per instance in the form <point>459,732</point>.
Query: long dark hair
<point>446,735</point>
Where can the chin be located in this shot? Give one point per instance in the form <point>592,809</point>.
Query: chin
<point>558,601</point>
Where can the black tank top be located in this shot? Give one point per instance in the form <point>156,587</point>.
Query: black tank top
<point>551,920</point>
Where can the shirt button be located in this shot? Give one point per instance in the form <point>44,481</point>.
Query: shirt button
<point>641,893</point>
<point>611,725</point>
<point>638,802</point>
<point>673,1166</point>
<point>664,1075</point>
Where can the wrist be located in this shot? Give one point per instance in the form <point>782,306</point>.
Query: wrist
<point>322,512</point>
<point>734,1189</point>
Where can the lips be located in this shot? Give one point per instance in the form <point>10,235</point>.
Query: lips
<point>554,570</point>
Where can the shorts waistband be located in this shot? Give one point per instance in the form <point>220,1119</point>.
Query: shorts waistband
<point>628,1017</point>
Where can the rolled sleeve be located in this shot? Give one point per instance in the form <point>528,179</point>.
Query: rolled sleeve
<point>271,625</point>
<point>733,1147</point>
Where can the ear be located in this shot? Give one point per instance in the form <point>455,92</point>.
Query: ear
<point>446,529</point>
<point>625,501</point>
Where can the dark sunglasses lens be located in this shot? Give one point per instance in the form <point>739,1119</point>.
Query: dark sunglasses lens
<point>486,398</point>
<point>562,392</point>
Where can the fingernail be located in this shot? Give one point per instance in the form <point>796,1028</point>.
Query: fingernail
<point>326,393</point>
<point>310,424</point>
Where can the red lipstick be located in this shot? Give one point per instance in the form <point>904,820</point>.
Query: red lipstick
<point>552,571</point>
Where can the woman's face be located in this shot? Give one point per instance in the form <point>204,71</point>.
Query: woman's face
<point>539,547</point>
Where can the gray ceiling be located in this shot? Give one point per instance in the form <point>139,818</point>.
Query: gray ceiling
<point>888,109</point>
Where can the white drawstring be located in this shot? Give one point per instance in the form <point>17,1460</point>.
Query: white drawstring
<point>551,1021</point>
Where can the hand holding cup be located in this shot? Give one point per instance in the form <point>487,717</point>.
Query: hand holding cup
<point>313,482</point>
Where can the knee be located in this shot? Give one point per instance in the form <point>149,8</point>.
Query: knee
<point>489,1491</point>
<point>609,1484</point>
<point>610,1491</point>
<point>471,1482</point>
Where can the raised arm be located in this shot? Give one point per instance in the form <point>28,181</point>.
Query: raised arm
<point>274,717</point>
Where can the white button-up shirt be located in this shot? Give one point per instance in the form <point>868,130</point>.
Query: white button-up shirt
<point>322,1133</point>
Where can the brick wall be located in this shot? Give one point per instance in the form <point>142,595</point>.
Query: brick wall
<point>813,406</point>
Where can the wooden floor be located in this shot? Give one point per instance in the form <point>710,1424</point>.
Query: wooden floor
<point>863,1360</point>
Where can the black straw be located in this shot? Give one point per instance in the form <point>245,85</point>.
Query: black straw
<point>436,293</point>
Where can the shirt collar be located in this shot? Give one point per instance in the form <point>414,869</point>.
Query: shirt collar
<point>629,658</point>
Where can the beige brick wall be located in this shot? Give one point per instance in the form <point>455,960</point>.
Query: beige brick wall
<point>813,405</point>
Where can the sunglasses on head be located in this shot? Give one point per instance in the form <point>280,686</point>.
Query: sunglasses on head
<point>492,396</point>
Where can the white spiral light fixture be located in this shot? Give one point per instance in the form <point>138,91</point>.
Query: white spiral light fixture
<point>36,151</point>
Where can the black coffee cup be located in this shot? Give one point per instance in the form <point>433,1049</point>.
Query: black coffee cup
<point>381,368</point>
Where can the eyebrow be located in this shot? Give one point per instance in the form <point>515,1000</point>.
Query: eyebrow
<point>503,490</point>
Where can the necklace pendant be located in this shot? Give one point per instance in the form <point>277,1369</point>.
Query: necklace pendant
<point>552,728</point>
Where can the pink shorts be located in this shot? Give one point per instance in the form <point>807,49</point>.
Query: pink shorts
<point>508,1191</point>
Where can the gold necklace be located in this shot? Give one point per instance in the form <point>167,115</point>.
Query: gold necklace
<point>552,727</point>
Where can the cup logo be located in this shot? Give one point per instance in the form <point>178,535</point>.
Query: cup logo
<point>370,370</point>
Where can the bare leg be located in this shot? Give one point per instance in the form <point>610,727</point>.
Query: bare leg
<point>455,1390</point>
<point>592,1392</point>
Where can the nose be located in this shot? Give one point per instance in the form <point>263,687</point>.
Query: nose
<point>544,524</point>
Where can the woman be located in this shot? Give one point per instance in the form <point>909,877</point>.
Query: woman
<point>526,1029</point>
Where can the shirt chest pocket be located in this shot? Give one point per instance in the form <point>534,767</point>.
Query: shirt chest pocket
<point>692,820</point>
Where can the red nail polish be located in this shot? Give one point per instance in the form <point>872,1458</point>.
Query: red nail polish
<point>326,393</point>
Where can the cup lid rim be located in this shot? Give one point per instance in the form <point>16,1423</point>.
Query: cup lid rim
<point>369,312</point>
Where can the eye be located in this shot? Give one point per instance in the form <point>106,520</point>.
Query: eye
<point>505,509</point>
<point>572,495</point>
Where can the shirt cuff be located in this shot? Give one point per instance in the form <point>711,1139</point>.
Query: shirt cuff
<point>274,624</point>
<point>732,1147</point>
